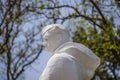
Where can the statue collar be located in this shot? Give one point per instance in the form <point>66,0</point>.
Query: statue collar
<point>80,53</point>
<point>63,46</point>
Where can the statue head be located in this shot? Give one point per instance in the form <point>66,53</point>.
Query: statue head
<point>54,35</point>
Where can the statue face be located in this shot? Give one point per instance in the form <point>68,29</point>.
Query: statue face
<point>51,41</point>
<point>54,39</point>
<point>54,35</point>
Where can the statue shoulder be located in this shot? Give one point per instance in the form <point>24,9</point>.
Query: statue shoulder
<point>60,67</point>
<point>82,53</point>
<point>78,47</point>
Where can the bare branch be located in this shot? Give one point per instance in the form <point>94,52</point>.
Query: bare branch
<point>99,11</point>
<point>5,15</point>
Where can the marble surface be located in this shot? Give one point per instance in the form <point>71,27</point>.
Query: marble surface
<point>69,61</point>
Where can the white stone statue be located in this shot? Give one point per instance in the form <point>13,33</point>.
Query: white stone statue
<point>70,61</point>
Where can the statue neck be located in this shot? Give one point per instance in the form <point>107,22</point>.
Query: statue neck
<point>58,49</point>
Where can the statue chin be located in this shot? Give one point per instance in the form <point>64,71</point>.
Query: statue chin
<point>50,49</point>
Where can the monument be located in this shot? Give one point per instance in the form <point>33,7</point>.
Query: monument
<point>70,60</point>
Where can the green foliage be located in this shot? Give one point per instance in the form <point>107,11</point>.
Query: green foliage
<point>117,3</point>
<point>104,44</point>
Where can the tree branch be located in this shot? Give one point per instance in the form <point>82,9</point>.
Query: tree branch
<point>5,15</point>
<point>28,63</point>
<point>99,11</point>
<point>75,16</point>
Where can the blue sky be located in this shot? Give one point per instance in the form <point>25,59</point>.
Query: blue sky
<point>34,71</point>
